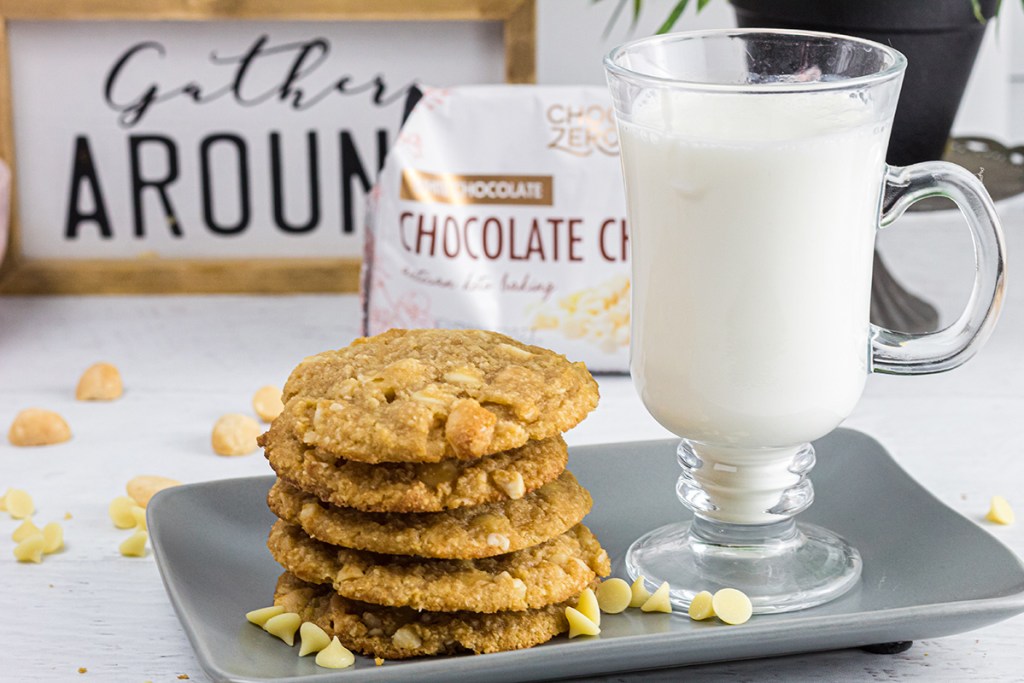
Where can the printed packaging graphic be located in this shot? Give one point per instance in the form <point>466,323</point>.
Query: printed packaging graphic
<point>502,207</point>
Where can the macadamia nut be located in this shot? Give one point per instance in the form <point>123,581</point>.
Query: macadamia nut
<point>100,382</point>
<point>145,486</point>
<point>235,434</point>
<point>267,403</point>
<point>38,427</point>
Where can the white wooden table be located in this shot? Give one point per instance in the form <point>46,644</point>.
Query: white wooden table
<point>187,360</point>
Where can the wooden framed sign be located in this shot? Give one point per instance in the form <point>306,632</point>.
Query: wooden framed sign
<point>218,145</point>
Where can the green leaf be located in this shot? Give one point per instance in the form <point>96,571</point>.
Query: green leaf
<point>637,6</point>
<point>674,15</point>
<point>976,6</point>
<point>701,4</point>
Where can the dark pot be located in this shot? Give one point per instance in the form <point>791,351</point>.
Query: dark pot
<point>939,37</point>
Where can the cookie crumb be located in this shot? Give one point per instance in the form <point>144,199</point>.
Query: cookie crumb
<point>182,677</point>
<point>82,670</point>
<point>67,516</point>
<point>379,661</point>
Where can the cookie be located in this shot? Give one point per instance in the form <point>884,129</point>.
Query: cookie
<point>400,632</point>
<point>464,533</point>
<point>414,487</point>
<point>428,395</point>
<point>530,578</point>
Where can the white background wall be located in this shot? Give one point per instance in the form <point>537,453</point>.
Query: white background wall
<point>570,45</point>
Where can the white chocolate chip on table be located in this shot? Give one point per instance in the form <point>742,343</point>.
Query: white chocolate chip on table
<point>100,382</point>
<point>1000,511</point>
<point>24,530</point>
<point>235,434</point>
<point>38,427</point>
<point>53,536</point>
<point>19,504</point>
<point>30,549</point>
<point>135,545</point>
<point>121,511</point>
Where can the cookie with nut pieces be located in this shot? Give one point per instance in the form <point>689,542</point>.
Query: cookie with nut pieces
<point>464,533</point>
<point>428,395</point>
<point>401,632</point>
<point>535,577</point>
<point>413,487</point>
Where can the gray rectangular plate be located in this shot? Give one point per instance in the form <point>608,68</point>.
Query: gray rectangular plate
<point>928,572</point>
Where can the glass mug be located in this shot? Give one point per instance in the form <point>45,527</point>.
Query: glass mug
<point>755,176</point>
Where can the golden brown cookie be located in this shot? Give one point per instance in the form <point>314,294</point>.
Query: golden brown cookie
<point>530,578</point>
<point>427,395</point>
<point>464,533</point>
<point>414,487</point>
<point>400,632</point>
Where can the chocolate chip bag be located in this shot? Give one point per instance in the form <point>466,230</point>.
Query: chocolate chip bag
<point>502,207</point>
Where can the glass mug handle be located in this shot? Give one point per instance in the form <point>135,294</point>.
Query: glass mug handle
<point>899,353</point>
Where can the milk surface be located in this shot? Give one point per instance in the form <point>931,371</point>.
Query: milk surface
<point>752,225</point>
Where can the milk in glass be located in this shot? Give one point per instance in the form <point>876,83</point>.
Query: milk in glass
<point>752,224</point>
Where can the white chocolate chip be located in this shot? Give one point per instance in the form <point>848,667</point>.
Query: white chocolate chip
<point>701,607</point>
<point>579,624</point>
<point>1000,511</point>
<point>283,626</point>
<point>659,600</point>
<point>640,593</point>
<point>19,503</point>
<point>511,483</point>
<point>53,537</point>
<point>120,511</point>
<point>31,549</point>
<point>732,606</point>
<point>100,382</point>
<point>135,545</point>
<point>314,638</point>
<point>24,530</point>
<point>498,541</point>
<point>587,605</point>
<point>335,656</point>
<point>406,639</point>
<point>614,596</point>
<point>262,615</point>
<point>139,517</point>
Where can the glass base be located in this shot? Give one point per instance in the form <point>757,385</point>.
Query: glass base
<point>782,566</point>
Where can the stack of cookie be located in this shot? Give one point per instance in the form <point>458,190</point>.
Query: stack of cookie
<point>422,493</point>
